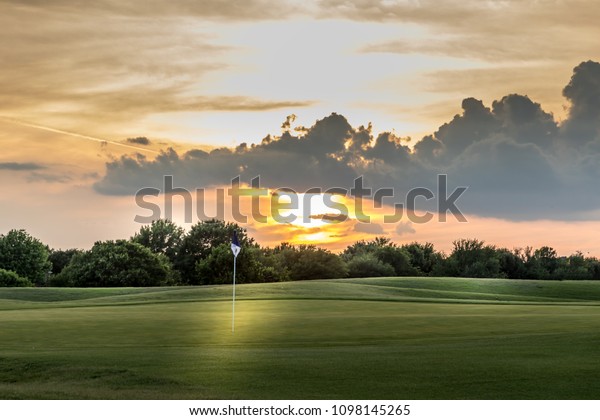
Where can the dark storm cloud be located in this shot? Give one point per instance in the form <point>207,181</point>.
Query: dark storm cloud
<point>388,148</point>
<point>517,160</point>
<point>287,161</point>
<point>474,124</point>
<point>583,92</point>
<point>525,121</point>
<point>509,179</point>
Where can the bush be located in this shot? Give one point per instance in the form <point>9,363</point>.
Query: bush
<point>307,262</point>
<point>60,259</point>
<point>423,257</point>
<point>375,258</point>
<point>472,258</point>
<point>368,265</point>
<point>25,255</point>
<point>397,258</point>
<point>161,237</point>
<point>116,264</point>
<point>198,244</point>
<point>217,268</point>
<point>12,279</point>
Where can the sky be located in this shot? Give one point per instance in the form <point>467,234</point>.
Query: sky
<point>98,101</point>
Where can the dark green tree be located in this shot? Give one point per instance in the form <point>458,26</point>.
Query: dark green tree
<point>548,259</point>
<point>383,250</point>
<point>161,237</point>
<point>25,255</point>
<point>472,258</point>
<point>368,265</point>
<point>317,263</point>
<point>593,266</point>
<point>118,263</point>
<point>363,247</point>
<point>540,263</point>
<point>198,243</point>
<point>11,279</point>
<point>308,262</point>
<point>512,264</point>
<point>423,257</point>
<point>217,268</point>
<point>397,258</point>
<point>60,259</point>
<point>573,267</point>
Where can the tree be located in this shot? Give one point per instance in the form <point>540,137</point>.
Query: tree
<point>161,237</point>
<point>593,266</point>
<point>308,262</point>
<point>118,263</point>
<point>275,266</point>
<point>368,265</point>
<point>547,258</point>
<point>60,259</point>
<point>423,257</point>
<point>573,267</point>
<point>512,264</point>
<point>25,255</point>
<point>362,247</point>
<point>472,258</point>
<point>541,263</point>
<point>317,263</point>
<point>217,268</point>
<point>11,279</point>
<point>397,258</point>
<point>198,243</point>
<point>382,250</point>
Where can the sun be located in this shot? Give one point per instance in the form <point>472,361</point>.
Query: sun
<point>313,211</point>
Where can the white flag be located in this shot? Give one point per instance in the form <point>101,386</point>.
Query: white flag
<point>235,245</point>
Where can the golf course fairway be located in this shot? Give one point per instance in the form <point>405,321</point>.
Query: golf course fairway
<point>383,338</point>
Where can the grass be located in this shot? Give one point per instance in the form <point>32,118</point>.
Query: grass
<point>385,338</point>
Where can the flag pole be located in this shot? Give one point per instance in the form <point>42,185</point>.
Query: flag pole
<point>235,248</point>
<point>233,301</point>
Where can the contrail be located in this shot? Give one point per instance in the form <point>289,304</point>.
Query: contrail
<point>69,133</point>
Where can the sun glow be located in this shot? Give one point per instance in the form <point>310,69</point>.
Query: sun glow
<point>302,218</point>
<point>313,211</point>
<point>314,237</point>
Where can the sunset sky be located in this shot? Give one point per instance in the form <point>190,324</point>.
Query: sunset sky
<point>100,100</point>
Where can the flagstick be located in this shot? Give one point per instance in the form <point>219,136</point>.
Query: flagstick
<point>235,248</point>
<point>233,302</point>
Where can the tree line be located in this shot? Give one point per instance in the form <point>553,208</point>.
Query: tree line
<point>164,254</point>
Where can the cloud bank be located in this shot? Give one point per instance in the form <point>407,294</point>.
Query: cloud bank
<point>517,160</point>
